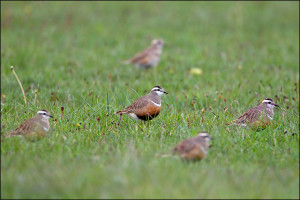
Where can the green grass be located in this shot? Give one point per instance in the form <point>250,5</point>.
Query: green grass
<point>72,52</point>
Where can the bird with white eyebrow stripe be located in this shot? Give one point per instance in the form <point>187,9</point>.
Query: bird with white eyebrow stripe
<point>37,126</point>
<point>147,107</point>
<point>259,116</point>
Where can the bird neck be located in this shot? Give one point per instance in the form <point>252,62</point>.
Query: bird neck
<point>203,143</point>
<point>268,111</point>
<point>155,97</point>
<point>42,119</point>
<point>156,49</point>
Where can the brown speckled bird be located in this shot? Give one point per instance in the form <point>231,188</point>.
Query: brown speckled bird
<point>147,107</point>
<point>194,148</point>
<point>149,57</point>
<point>259,116</point>
<point>39,125</point>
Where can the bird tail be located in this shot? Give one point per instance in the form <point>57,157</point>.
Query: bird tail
<point>9,134</point>
<point>120,112</point>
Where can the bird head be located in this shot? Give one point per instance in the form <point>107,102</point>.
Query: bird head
<point>158,43</point>
<point>206,137</point>
<point>44,114</point>
<point>158,90</point>
<point>269,103</point>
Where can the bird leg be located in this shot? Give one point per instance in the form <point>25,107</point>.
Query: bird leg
<point>120,119</point>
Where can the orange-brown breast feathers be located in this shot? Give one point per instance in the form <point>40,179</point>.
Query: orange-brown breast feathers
<point>143,108</point>
<point>149,110</point>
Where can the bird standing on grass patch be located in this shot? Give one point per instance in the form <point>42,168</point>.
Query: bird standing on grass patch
<point>194,148</point>
<point>37,126</point>
<point>145,108</point>
<point>149,57</point>
<point>259,116</point>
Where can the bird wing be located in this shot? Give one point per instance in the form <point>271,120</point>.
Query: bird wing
<point>138,104</point>
<point>141,57</point>
<point>25,128</point>
<point>249,116</point>
<point>144,60</point>
<point>184,146</point>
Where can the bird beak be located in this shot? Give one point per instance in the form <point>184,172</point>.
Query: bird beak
<point>165,92</point>
<point>276,105</point>
<point>51,116</point>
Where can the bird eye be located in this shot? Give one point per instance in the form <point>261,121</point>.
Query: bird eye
<point>269,102</point>
<point>44,113</point>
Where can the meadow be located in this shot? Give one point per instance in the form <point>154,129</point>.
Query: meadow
<point>68,54</point>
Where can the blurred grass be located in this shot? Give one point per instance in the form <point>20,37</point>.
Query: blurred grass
<point>72,52</point>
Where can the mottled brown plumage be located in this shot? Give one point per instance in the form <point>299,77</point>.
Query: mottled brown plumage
<point>149,57</point>
<point>194,148</point>
<point>260,115</point>
<point>38,126</point>
<point>146,107</point>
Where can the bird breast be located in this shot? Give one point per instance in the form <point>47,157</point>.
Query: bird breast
<point>148,112</point>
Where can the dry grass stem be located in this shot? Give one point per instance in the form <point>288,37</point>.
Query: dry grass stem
<point>12,69</point>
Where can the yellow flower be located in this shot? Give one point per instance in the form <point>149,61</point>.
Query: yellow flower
<point>196,71</point>
<point>77,124</point>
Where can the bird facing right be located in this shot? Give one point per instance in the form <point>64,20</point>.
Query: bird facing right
<point>147,107</point>
<point>194,148</point>
<point>259,116</point>
<point>37,126</point>
<point>149,57</point>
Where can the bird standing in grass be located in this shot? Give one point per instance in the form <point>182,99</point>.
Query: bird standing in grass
<point>194,148</point>
<point>145,108</point>
<point>34,127</point>
<point>149,57</point>
<point>259,116</point>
